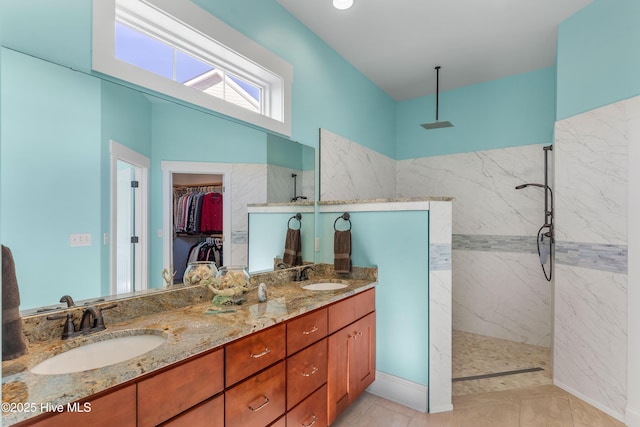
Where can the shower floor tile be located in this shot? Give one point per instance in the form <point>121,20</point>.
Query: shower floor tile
<point>475,354</point>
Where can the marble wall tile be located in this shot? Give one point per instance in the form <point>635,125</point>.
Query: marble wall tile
<point>503,295</point>
<point>249,185</point>
<point>280,186</point>
<point>495,293</point>
<point>591,300</point>
<point>590,346</point>
<point>483,184</point>
<point>351,171</point>
<point>591,152</point>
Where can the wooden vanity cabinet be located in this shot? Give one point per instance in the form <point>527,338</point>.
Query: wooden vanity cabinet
<point>116,408</point>
<point>351,352</point>
<point>175,390</point>
<point>302,372</point>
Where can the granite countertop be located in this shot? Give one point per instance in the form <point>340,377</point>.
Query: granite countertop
<point>387,200</point>
<point>188,330</point>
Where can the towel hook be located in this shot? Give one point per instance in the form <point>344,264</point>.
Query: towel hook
<point>345,216</point>
<point>298,217</point>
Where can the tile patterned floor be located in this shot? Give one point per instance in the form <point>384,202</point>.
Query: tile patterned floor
<point>477,354</point>
<point>522,400</point>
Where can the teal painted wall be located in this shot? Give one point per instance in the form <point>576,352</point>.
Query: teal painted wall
<point>125,119</point>
<point>513,111</point>
<point>55,112</point>
<point>282,153</point>
<point>58,31</point>
<point>402,295</point>
<point>267,237</point>
<point>328,92</point>
<point>598,61</point>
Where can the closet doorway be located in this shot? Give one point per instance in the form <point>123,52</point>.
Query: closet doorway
<point>189,230</point>
<point>129,220</point>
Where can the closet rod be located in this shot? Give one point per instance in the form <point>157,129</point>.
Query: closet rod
<point>215,184</point>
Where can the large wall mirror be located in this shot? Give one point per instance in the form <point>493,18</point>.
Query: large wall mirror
<point>59,129</point>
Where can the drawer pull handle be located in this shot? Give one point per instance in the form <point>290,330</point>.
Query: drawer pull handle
<point>266,351</point>
<point>315,419</point>
<point>314,329</point>
<point>262,405</point>
<point>313,371</point>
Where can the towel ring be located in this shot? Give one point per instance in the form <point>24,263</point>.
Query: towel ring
<point>298,217</point>
<point>345,216</point>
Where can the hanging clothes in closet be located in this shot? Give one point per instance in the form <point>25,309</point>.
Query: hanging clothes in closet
<point>198,210</point>
<point>207,250</point>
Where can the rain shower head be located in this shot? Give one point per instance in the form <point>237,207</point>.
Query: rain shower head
<point>437,124</point>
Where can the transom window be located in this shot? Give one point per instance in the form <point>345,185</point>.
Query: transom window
<point>169,46</point>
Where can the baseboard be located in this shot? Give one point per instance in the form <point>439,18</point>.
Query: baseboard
<point>606,410</point>
<point>399,390</point>
<point>632,417</point>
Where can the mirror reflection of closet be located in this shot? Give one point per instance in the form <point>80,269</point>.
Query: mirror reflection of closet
<point>198,201</point>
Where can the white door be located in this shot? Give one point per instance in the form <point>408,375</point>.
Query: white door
<point>129,220</point>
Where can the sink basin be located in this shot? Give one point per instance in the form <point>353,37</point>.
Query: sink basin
<point>324,286</point>
<point>99,354</point>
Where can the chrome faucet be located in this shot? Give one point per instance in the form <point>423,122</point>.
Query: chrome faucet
<point>302,275</point>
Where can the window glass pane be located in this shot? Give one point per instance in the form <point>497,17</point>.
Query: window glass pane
<point>143,51</point>
<point>252,90</point>
<point>188,67</point>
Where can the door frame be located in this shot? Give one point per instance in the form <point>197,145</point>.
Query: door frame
<point>121,152</point>
<point>203,168</point>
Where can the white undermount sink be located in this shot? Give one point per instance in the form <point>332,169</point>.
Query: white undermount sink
<point>99,354</point>
<point>324,286</point>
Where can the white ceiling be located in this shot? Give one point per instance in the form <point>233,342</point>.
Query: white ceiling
<point>397,43</point>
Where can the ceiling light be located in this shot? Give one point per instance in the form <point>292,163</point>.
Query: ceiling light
<point>342,4</point>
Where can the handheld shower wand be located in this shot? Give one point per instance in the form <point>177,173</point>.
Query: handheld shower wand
<point>543,252</point>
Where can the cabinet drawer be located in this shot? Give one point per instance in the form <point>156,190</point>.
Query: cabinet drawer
<point>253,353</point>
<point>311,412</point>
<point>365,303</point>
<point>115,408</point>
<point>207,414</point>
<point>351,309</point>
<point>306,330</point>
<point>306,371</point>
<point>174,391</point>
<point>341,314</point>
<point>258,400</point>
<point>282,422</point>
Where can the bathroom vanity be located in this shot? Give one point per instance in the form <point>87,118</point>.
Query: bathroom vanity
<point>287,360</point>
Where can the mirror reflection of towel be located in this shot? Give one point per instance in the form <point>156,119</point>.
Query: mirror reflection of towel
<point>342,251</point>
<point>14,343</point>
<point>292,248</point>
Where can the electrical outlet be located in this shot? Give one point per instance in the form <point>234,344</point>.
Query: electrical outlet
<point>82,239</point>
<point>317,246</point>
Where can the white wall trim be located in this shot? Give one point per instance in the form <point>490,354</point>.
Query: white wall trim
<point>592,402</point>
<point>399,390</point>
<point>119,151</point>
<point>168,169</point>
<point>632,417</point>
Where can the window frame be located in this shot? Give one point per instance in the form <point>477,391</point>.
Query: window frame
<point>187,25</point>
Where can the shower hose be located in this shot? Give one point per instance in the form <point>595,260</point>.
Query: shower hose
<point>539,241</point>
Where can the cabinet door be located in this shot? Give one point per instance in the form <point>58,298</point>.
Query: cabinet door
<point>362,367</point>
<point>340,346</point>
<point>175,390</point>
<point>351,364</point>
<point>117,408</point>
<point>258,400</point>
